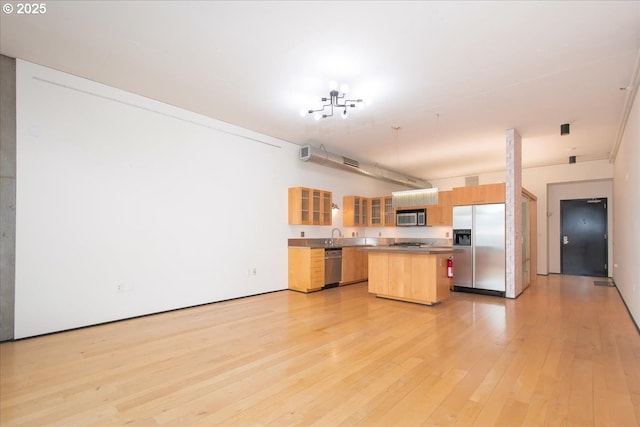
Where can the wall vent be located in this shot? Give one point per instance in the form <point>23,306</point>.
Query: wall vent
<point>350,162</point>
<point>470,181</point>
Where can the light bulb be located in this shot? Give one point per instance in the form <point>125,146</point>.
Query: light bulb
<point>344,114</point>
<point>317,116</point>
<point>303,112</point>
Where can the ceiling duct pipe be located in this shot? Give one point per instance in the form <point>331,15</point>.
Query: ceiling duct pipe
<point>309,153</point>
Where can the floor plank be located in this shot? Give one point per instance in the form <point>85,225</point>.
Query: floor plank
<point>564,353</point>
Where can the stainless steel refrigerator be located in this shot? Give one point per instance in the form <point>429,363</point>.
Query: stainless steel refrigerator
<point>479,248</point>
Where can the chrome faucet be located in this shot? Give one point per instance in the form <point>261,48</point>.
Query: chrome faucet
<point>330,241</point>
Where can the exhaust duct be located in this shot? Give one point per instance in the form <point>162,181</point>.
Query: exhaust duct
<point>309,153</point>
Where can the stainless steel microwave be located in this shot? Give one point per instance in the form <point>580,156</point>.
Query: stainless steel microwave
<point>411,217</point>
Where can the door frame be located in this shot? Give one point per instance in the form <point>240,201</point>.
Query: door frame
<point>596,201</point>
<point>587,189</point>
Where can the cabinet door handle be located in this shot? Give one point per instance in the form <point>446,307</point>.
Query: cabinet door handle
<point>565,240</point>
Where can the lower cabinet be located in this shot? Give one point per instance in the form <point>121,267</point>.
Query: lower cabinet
<point>420,278</point>
<point>306,269</point>
<point>354,265</point>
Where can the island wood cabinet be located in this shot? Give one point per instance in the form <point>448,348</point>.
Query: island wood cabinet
<point>306,269</point>
<point>355,211</point>
<point>442,213</point>
<point>419,278</point>
<point>308,206</point>
<point>479,194</point>
<point>354,265</point>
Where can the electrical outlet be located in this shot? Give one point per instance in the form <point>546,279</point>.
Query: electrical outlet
<point>124,287</point>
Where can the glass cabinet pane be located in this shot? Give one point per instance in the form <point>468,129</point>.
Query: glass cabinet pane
<point>388,211</point>
<point>376,212</point>
<point>326,208</point>
<point>316,207</point>
<point>305,206</point>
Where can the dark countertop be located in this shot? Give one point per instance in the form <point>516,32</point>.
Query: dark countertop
<point>317,243</point>
<point>425,250</point>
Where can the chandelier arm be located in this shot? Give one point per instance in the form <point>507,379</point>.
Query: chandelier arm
<point>329,115</point>
<point>336,98</point>
<point>320,109</point>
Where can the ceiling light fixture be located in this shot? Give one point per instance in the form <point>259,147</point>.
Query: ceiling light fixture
<point>335,100</point>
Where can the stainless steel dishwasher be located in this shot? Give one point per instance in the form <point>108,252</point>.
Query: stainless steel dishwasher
<point>332,267</point>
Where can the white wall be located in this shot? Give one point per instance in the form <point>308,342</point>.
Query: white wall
<point>626,225</point>
<point>127,206</point>
<point>536,181</point>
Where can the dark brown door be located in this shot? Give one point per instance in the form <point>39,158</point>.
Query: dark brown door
<point>583,237</point>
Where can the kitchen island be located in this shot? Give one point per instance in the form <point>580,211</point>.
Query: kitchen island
<point>413,274</point>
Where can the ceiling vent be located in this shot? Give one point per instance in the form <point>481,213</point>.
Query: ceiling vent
<point>309,153</point>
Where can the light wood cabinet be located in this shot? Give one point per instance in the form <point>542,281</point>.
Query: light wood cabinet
<point>355,211</point>
<point>445,200</point>
<point>379,273</point>
<point>400,275</point>
<point>306,269</point>
<point>420,278</point>
<point>434,267</point>
<point>389,212</point>
<point>381,212</point>
<point>479,194</point>
<point>354,265</point>
<point>377,211</point>
<point>308,206</point>
<point>442,213</point>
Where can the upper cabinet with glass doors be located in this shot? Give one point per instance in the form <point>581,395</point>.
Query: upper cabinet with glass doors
<point>355,211</point>
<point>308,206</point>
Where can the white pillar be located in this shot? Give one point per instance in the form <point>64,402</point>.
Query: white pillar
<point>513,214</point>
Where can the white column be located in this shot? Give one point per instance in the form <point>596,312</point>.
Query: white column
<point>513,214</point>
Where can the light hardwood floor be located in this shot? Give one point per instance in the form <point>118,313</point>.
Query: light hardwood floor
<point>565,353</point>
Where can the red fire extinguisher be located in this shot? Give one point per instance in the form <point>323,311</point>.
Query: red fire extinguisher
<point>450,268</point>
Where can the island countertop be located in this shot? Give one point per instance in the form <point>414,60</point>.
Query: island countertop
<point>425,250</point>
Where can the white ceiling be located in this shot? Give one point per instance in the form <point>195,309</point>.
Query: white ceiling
<point>452,75</point>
